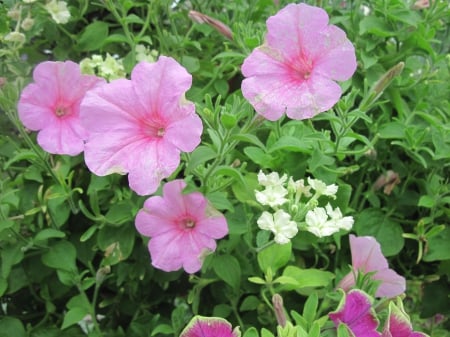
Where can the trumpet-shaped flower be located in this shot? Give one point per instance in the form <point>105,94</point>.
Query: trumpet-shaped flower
<point>356,312</point>
<point>51,105</point>
<point>58,10</point>
<point>139,126</point>
<point>280,224</point>
<point>200,326</point>
<point>182,228</point>
<point>295,70</point>
<point>398,323</point>
<point>367,257</point>
<point>323,189</point>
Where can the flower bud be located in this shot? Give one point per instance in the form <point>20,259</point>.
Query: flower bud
<point>216,24</point>
<point>15,37</point>
<point>27,23</point>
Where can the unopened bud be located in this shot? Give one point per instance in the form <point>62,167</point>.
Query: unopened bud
<point>421,4</point>
<point>277,301</point>
<point>15,37</point>
<point>101,274</point>
<point>216,24</point>
<point>14,14</point>
<point>27,23</point>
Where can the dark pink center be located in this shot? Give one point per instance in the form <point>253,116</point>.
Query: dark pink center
<point>187,223</point>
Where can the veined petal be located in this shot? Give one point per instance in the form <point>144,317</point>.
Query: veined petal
<point>200,326</point>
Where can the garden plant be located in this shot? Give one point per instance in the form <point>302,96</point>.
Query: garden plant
<point>205,168</point>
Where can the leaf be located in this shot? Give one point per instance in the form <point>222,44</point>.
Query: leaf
<point>11,255</point>
<point>251,332</point>
<point>62,256</point>
<point>438,247</point>
<point>228,269</point>
<point>49,233</point>
<point>10,326</point>
<point>307,278</point>
<point>164,329</point>
<point>373,222</point>
<point>250,303</point>
<point>93,36</point>
<point>199,156</point>
<point>73,316</point>
<point>274,257</point>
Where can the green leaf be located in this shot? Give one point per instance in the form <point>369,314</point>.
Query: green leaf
<point>373,222</point>
<point>164,329</point>
<point>117,242</point>
<point>62,256</point>
<point>49,233</point>
<point>426,201</point>
<point>310,308</point>
<point>199,156</point>
<point>376,26</point>
<point>307,278</point>
<point>438,247</point>
<point>228,269</point>
<point>250,303</point>
<point>10,327</point>
<point>11,255</point>
<point>266,333</point>
<point>274,257</point>
<point>93,36</point>
<point>119,213</point>
<point>252,332</point>
<point>73,316</point>
<point>192,64</point>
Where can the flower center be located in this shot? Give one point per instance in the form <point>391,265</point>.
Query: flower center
<point>188,223</point>
<point>61,111</point>
<point>160,132</point>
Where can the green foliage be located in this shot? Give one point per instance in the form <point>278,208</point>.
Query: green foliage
<point>68,246</point>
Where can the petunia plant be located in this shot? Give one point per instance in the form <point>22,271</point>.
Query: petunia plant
<point>249,168</point>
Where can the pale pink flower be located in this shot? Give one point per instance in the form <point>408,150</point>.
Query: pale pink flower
<point>139,126</point>
<point>182,228</point>
<point>367,257</point>
<point>294,71</point>
<point>51,105</point>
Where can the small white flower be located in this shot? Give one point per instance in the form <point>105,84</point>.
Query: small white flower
<point>318,223</point>
<point>58,10</point>
<point>271,179</point>
<point>337,218</point>
<point>323,189</point>
<point>280,224</point>
<point>272,196</point>
<point>298,186</point>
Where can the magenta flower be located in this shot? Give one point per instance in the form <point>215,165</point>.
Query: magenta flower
<point>356,312</point>
<point>367,257</point>
<point>200,326</point>
<point>398,323</point>
<point>139,126</point>
<point>51,105</point>
<point>182,228</point>
<point>294,71</point>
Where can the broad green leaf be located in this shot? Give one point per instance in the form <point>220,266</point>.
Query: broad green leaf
<point>199,156</point>
<point>251,332</point>
<point>228,269</point>
<point>11,255</point>
<point>11,327</point>
<point>438,247</point>
<point>73,316</point>
<point>62,256</point>
<point>274,257</point>
<point>164,329</point>
<point>250,303</point>
<point>93,36</point>
<point>307,278</point>
<point>373,222</point>
<point>310,308</point>
<point>49,233</point>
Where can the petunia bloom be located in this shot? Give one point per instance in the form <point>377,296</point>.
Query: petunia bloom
<point>200,326</point>
<point>367,257</point>
<point>182,228</point>
<point>295,70</point>
<point>140,126</point>
<point>356,312</point>
<point>279,224</point>
<point>318,223</point>
<point>51,105</point>
<point>398,323</point>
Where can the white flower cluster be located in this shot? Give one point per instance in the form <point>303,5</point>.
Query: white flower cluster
<point>109,68</point>
<point>286,198</point>
<point>58,11</point>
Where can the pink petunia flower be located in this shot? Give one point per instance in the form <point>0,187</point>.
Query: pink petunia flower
<point>51,105</point>
<point>356,312</point>
<point>367,257</point>
<point>398,323</point>
<point>200,326</point>
<point>182,228</point>
<point>139,126</point>
<point>294,71</point>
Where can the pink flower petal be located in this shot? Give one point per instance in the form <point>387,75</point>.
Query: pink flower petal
<point>180,227</point>
<point>392,283</point>
<point>51,105</point>
<point>355,311</point>
<point>366,254</point>
<point>185,133</point>
<point>292,26</point>
<point>293,71</point>
<point>398,324</point>
<point>200,326</point>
